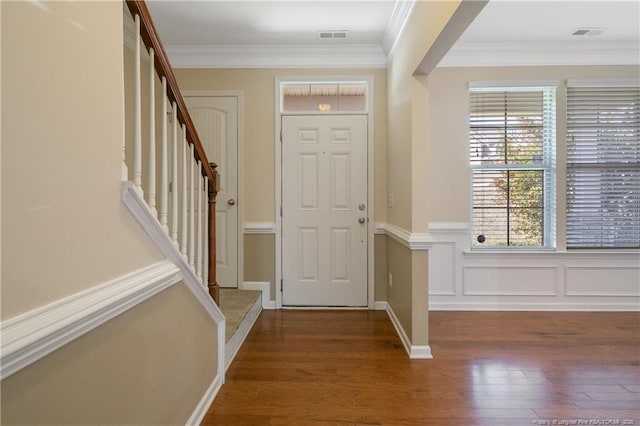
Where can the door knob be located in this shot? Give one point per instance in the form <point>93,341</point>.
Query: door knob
<point>231,202</point>
<point>361,220</point>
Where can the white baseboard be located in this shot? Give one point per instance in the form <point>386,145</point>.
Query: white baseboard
<point>233,345</point>
<point>414,351</point>
<point>34,334</point>
<point>549,307</point>
<point>265,288</point>
<point>380,305</point>
<point>207,399</point>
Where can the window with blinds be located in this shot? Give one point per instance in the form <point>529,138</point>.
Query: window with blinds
<point>603,165</point>
<point>512,158</point>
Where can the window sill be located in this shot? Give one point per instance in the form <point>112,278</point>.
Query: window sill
<point>551,253</point>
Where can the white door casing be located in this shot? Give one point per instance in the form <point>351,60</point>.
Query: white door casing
<point>216,120</point>
<point>325,210</point>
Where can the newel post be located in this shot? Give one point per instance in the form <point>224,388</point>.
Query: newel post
<point>214,187</point>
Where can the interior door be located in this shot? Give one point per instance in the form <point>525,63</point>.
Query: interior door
<point>324,218</point>
<point>216,120</point>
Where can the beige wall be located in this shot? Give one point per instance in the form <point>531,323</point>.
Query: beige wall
<point>381,276</point>
<point>448,148</point>
<point>400,293</point>
<point>407,102</point>
<point>150,365</point>
<point>64,227</point>
<point>258,86</point>
<point>260,259</point>
<point>407,115</point>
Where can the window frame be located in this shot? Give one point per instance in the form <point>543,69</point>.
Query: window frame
<point>547,166</point>
<point>320,82</point>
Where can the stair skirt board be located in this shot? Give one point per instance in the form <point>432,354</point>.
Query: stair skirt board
<point>234,343</point>
<point>207,399</point>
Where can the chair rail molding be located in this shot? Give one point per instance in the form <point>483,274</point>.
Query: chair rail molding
<point>36,333</point>
<point>259,228</point>
<point>411,240</point>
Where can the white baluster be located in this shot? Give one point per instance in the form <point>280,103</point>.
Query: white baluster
<point>137,113</point>
<point>183,194</point>
<point>205,275</point>
<point>199,223</point>
<point>174,176</point>
<point>192,235</point>
<point>164,163</point>
<point>151,173</point>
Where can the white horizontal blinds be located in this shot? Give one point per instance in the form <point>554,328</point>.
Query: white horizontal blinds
<point>512,157</point>
<point>603,166</point>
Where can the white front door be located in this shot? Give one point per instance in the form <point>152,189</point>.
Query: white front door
<point>216,120</point>
<point>324,218</point>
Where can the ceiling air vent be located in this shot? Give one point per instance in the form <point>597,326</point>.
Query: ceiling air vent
<point>587,31</point>
<point>333,34</point>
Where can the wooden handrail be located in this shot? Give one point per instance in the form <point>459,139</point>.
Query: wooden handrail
<point>163,69</point>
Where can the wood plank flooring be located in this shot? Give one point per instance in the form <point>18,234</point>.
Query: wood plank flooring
<point>489,368</point>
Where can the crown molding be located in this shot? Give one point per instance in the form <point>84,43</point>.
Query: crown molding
<point>540,54</point>
<point>399,17</point>
<point>277,56</point>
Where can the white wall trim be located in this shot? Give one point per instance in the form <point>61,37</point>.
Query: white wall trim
<point>399,17</point>
<point>265,288</point>
<point>413,241</point>
<point>259,228</point>
<point>380,305</point>
<point>277,56</point>
<point>205,402</point>
<point>136,205</point>
<point>414,351</point>
<point>576,280</point>
<point>378,228</point>
<point>34,334</point>
<point>235,342</point>
<point>605,268</point>
<point>521,269</point>
<point>370,176</point>
<point>541,53</point>
<point>533,306</point>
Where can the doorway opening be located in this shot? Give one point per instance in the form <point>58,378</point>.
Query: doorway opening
<point>324,192</point>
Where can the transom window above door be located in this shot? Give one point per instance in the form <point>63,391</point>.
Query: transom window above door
<point>324,97</point>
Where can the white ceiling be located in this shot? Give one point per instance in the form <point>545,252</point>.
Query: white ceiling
<point>540,21</point>
<point>284,33</point>
<point>269,22</point>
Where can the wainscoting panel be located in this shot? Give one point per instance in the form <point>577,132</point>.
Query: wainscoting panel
<point>602,281</point>
<point>462,279</point>
<point>442,269</point>
<point>517,280</point>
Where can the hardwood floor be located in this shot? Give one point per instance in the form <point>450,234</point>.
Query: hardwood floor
<point>489,368</point>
